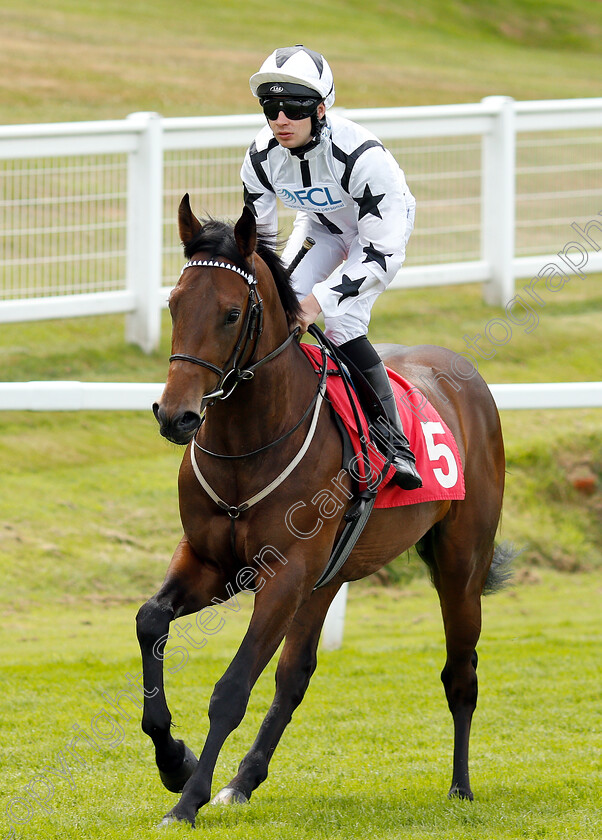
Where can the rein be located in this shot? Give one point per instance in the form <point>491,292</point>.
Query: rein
<point>261,448</point>
<point>234,511</point>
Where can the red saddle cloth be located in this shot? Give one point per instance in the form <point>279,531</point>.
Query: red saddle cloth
<point>437,457</point>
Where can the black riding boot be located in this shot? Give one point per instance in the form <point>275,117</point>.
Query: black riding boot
<point>403,459</point>
<point>389,430</point>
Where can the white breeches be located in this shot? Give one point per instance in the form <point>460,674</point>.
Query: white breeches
<point>317,265</point>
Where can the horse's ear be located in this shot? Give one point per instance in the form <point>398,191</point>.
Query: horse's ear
<point>188,224</point>
<point>245,233</point>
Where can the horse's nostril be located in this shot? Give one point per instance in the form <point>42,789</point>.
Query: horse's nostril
<point>188,420</point>
<point>178,428</point>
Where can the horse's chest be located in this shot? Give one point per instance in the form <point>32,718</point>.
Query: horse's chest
<point>211,535</point>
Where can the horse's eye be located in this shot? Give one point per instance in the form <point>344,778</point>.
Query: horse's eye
<point>233,316</point>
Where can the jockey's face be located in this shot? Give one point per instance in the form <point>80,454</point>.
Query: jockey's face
<point>292,134</point>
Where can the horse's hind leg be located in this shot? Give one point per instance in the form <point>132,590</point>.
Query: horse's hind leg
<point>459,573</point>
<point>188,587</point>
<point>295,667</point>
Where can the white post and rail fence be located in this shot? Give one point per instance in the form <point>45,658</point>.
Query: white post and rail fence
<point>505,190</point>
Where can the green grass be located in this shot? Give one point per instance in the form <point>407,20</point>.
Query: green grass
<point>89,60</point>
<point>368,753</point>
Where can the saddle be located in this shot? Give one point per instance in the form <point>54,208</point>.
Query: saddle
<point>355,408</point>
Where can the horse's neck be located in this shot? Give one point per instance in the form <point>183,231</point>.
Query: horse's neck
<point>264,408</point>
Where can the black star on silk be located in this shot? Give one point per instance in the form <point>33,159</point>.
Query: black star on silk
<point>369,203</point>
<point>348,288</point>
<point>372,255</point>
<point>250,199</point>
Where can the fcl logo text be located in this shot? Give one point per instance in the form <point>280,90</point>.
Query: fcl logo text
<point>311,198</point>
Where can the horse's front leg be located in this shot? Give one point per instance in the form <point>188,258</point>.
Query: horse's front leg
<point>296,665</point>
<point>189,586</point>
<point>275,606</point>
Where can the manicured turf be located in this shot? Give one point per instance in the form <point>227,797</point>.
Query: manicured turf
<point>368,753</point>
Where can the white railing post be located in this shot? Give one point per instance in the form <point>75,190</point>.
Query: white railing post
<point>498,200</point>
<point>145,232</point>
<point>334,624</point>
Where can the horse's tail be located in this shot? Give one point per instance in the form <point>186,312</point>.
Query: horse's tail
<point>500,571</point>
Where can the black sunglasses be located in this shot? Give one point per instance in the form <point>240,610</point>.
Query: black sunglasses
<point>294,109</point>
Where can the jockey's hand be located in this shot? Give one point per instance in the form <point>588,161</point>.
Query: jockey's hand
<point>310,309</point>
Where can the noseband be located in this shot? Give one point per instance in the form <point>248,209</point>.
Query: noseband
<point>250,332</point>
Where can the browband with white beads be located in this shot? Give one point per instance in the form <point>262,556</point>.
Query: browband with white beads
<point>215,264</point>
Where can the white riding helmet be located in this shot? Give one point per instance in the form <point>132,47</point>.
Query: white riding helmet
<point>292,71</point>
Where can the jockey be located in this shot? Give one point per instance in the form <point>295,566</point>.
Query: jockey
<point>349,195</point>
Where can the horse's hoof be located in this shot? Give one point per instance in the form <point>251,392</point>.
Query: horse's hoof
<point>174,780</point>
<point>170,819</point>
<point>457,792</point>
<point>230,796</point>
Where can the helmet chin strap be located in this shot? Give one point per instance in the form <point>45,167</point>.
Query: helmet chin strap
<point>317,124</point>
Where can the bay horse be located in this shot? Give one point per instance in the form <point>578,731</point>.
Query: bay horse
<point>237,393</point>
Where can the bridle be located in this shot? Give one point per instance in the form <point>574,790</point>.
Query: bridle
<point>251,330</point>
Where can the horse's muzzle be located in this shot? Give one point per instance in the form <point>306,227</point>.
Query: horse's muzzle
<point>178,428</point>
